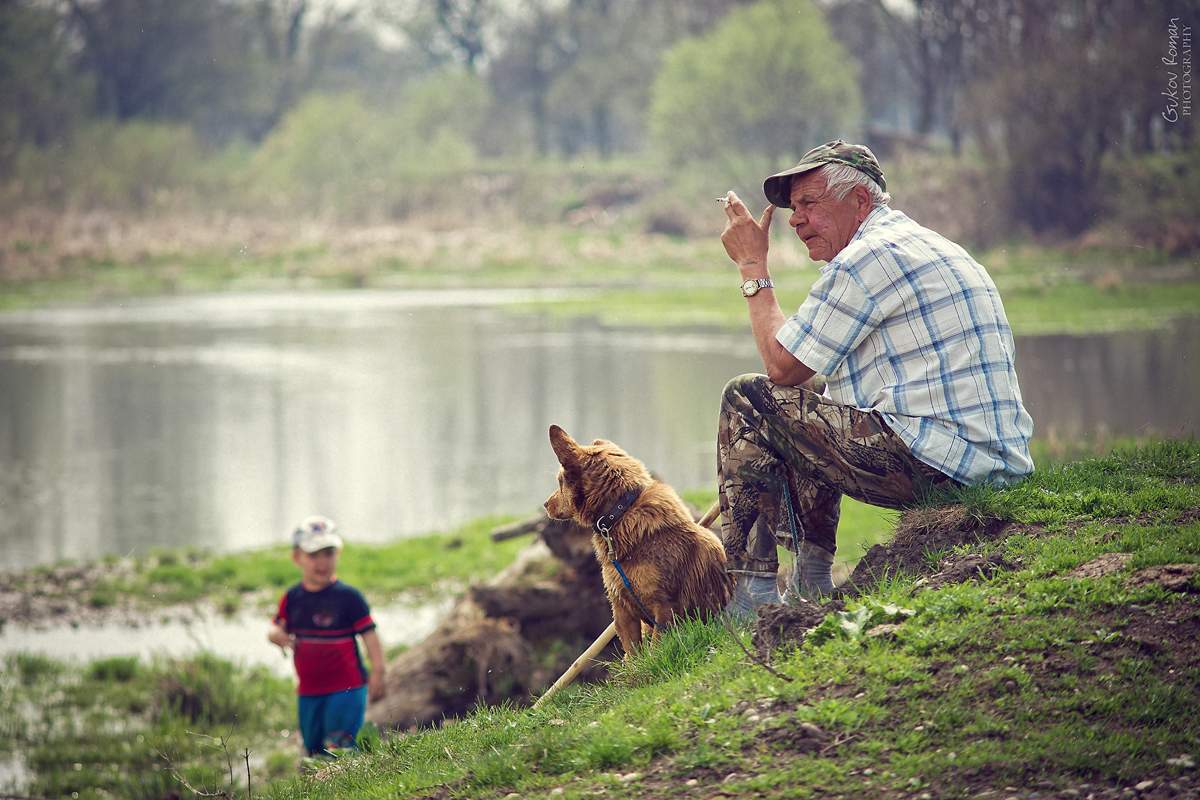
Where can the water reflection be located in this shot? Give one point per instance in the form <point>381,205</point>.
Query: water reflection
<point>217,422</point>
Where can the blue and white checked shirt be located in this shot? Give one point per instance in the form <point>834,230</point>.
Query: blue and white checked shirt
<point>903,321</point>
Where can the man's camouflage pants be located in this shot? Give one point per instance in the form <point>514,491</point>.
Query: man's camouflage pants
<point>770,433</point>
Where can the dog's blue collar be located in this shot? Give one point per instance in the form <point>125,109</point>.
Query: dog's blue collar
<point>604,526</point>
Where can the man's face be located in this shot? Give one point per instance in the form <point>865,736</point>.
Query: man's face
<point>824,224</point>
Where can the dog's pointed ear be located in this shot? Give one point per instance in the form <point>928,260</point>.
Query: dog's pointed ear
<point>564,447</point>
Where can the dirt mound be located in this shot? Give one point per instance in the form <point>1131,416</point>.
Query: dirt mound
<point>920,535</point>
<point>788,622</point>
<point>1101,566</point>
<point>1173,577</point>
<point>507,639</point>
<point>959,569</point>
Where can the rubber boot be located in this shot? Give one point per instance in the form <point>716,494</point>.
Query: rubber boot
<point>750,592</point>
<point>813,576</point>
<point>757,586</point>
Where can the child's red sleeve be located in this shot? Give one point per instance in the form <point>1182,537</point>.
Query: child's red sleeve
<point>281,614</point>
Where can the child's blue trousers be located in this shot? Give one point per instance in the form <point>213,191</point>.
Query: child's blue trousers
<point>332,720</point>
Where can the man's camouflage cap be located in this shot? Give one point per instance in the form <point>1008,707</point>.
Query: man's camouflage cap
<point>778,187</point>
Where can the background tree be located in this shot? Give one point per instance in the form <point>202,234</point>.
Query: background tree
<point>1051,89</point>
<point>228,68</point>
<point>768,81</point>
<point>445,31</point>
<point>878,40</point>
<point>43,92</point>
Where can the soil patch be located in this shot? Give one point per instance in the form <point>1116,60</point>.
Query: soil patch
<point>959,569</point>
<point>1172,577</point>
<point>1106,564</point>
<point>788,622</point>
<point>921,533</point>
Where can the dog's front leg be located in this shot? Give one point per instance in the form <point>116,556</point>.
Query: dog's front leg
<point>664,615</point>
<point>629,629</point>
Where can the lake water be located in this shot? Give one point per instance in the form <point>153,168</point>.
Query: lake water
<point>219,421</point>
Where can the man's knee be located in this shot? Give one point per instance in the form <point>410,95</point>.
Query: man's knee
<point>739,388</point>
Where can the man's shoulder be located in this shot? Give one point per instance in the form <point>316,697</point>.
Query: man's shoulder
<point>893,227</point>
<point>893,239</point>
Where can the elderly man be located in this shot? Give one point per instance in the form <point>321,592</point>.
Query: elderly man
<point>917,357</point>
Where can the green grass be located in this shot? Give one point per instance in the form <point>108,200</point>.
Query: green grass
<point>1027,677</point>
<point>1156,479</point>
<point>123,727</point>
<point>419,568</point>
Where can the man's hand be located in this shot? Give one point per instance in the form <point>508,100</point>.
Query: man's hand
<point>746,240</point>
<point>376,690</point>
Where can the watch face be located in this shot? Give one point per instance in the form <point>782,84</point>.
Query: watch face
<point>750,288</point>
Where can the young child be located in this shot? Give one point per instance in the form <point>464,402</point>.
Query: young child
<point>319,618</point>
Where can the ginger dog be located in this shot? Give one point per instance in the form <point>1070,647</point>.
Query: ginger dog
<point>675,566</point>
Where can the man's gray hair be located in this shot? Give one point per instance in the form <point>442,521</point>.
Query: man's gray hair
<point>840,179</point>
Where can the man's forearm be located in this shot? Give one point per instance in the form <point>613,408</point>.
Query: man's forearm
<point>766,318</point>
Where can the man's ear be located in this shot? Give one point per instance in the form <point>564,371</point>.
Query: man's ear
<point>862,197</point>
<point>564,447</point>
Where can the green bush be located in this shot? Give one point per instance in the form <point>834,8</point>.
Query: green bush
<point>32,668</point>
<point>336,154</point>
<point>132,165</point>
<point>769,82</point>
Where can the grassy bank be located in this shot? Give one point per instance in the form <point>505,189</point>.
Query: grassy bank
<point>635,278</point>
<point>1052,675</point>
<point>133,728</point>
<point>1031,678</point>
<point>419,568</point>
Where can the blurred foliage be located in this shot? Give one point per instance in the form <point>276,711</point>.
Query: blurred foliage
<point>41,90</point>
<point>1156,198</point>
<point>337,152</point>
<point>993,119</point>
<point>131,165</point>
<point>748,88</point>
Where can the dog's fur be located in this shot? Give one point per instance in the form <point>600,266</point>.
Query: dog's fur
<point>676,567</point>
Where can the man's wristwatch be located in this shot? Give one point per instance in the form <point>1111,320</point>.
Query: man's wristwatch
<point>751,287</point>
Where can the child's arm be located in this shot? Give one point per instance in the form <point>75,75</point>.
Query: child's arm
<point>277,635</point>
<point>375,688</point>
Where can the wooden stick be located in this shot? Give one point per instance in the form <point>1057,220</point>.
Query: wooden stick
<point>573,671</point>
<point>710,515</point>
<point>515,529</point>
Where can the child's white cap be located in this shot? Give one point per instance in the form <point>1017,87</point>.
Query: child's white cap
<point>316,533</point>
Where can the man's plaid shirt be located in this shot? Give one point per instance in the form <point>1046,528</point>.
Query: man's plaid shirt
<point>902,321</point>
